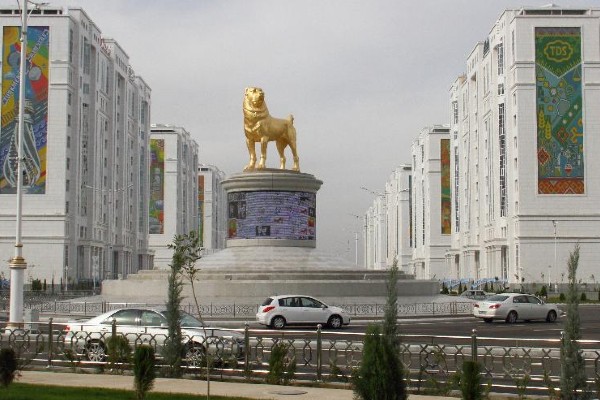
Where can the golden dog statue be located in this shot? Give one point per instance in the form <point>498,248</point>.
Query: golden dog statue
<point>259,126</point>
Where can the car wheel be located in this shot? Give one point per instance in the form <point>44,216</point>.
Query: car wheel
<point>335,322</point>
<point>551,317</point>
<point>278,322</point>
<point>194,355</point>
<point>511,318</point>
<point>488,320</point>
<point>95,351</point>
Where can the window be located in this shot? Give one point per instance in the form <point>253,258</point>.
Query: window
<point>501,59</point>
<point>151,318</point>
<point>455,111</point>
<point>123,317</point>
<point>502,149</point>
<point>69,120</point>
<point>309,303</point>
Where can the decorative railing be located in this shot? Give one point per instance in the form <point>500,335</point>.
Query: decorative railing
<point>515,365</point>
<point>235,310</point>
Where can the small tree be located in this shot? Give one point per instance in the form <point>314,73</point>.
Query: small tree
<point>572,377</point>
<point>282,367</point>
<point>119,353</point>
<point>381,373</point>
<point>9,366</point>
<point>143,370</point>
<point>470,381</point>
<point>173,349</point>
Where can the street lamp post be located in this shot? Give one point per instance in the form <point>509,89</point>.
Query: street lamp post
<point>555,224</point>
<point>17,264</point>
<point>66,278</point>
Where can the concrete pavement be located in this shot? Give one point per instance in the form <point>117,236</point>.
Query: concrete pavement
<point>196,387</point>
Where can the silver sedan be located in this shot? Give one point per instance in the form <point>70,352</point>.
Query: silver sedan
<point>511,307</point>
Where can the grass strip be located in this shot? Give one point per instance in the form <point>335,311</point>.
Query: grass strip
<point>26,391</point>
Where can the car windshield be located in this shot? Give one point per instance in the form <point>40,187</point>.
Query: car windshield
<point>187,320</point>
<point>498,297</point>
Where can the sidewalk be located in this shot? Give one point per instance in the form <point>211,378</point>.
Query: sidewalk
<point>197,387</point>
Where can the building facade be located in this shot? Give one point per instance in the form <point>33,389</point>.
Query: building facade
<point>430,194</point>
<point>173,189</point>
<point>375,234</point>
<point>212,208</point>
<point>85,214</point>
<point>397,190</point>
<point>523,122</point>
<point>386,232</point>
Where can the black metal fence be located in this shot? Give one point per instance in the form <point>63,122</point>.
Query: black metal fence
<point>516,365</point>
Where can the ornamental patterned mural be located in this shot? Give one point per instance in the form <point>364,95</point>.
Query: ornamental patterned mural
<point>35,118</point>
<point>559,111</point>
<point>446,192</point>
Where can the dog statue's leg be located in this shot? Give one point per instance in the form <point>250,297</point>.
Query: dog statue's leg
<point>263,152</point>
<point>292,143</point>
<point>281,148</point>
<point>252,164</point>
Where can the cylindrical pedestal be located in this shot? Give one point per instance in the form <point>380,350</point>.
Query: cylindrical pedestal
<point>271,208</point>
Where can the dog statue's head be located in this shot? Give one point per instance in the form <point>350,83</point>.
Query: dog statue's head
<point>255,96</point>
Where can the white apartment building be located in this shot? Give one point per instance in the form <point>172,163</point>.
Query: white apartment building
<point>212,208</point>
<point>397,190</point>
<point>85,214</point>
<point>173,189</point>
<point>375,234</point>
<point>525,120</point>
<point>431,197</point>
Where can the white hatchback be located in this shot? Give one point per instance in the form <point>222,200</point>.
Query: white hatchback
<point>279,311</point>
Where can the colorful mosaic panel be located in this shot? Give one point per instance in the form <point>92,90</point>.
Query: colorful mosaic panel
<point>445,187</point>
<point>36,109</point>
<point>272,215</point>
<point>559,111</point>
<point>157,186</point>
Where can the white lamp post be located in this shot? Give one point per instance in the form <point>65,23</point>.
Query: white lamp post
<point>17,264</point>
<point>555,224</point>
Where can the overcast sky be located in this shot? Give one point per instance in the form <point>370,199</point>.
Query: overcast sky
<point>362,78</point>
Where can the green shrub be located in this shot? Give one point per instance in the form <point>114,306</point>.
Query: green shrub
<point>470,382</point>
<point>36,285</point>
<point>119,352</point>
<point>562,297</point>
<point>8,366</point>
<point>583,296</point>
<point>143,370</point>
<point>281,367</point>
<point>380,374</point>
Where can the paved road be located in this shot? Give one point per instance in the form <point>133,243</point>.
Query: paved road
<point>464,325</point>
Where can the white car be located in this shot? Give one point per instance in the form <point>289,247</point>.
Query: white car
<point>511,307</point>
<point>150,326</point>
<point>279,311</point>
